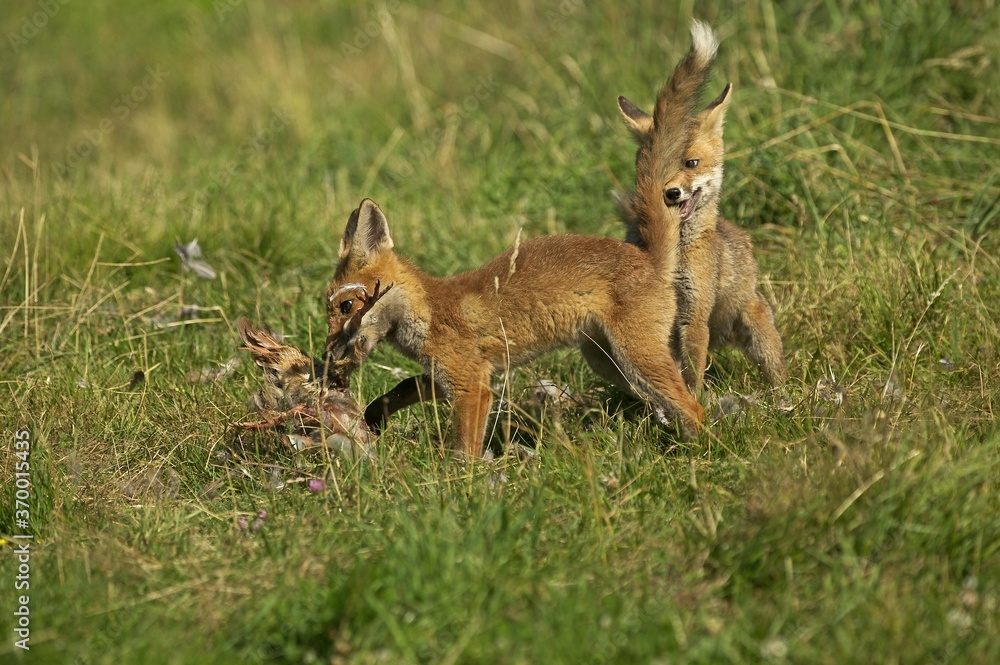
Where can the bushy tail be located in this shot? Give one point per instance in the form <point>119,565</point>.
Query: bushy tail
<point>651,224</point>
<point>678,99</point>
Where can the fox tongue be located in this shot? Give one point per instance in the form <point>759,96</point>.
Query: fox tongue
<point>687,207</point>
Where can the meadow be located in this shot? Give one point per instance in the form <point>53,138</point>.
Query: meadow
<point>852,516</point>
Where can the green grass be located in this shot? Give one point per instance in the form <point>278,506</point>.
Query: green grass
<point>863,143</point>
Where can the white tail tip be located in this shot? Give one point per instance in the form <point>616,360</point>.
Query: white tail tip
<point>704,44</point>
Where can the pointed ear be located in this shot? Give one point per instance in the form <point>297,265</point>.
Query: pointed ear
<point>371,232</point>
<point>715,113</point>
<point>348,239</point>
<point>638,121</point>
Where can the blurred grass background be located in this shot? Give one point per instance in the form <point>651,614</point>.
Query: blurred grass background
<point>851,518</point>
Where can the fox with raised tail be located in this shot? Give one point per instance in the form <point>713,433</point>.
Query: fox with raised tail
<point>598,293</point>
<point>718,301</point>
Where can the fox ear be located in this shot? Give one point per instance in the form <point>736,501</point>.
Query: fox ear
<point>371,231</point>
<point>638,121</point>
<point>715,113</point>
<point>348,239</point>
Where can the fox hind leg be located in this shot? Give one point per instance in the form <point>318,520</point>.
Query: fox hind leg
<point>758,337</point>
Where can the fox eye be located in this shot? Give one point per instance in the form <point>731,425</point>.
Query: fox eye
<point>346,307</point>
<point>691,163</point>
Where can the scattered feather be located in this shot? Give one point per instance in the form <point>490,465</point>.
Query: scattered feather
<point>496,481</point>
<point>947,365</point>
<point>960,619</point>
<point>891,390</point>
<point>828,397</point>
<point>522,453</point>
<point>774,649</point>
<point>547,390</point>
<point>276,480</point>
<point>350,449</point>
<point>969,596</point>
<point>729,405</point>
<point>183,313</point>
<point>191,259</point>
<point>298,443</point>
<point>213,374</point>
<point>188,312</point>
<point>830,391</point>
<point>155,484</point>
<point>211,490</point>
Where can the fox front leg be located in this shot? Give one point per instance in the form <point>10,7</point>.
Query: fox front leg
<point>406,393</point>
<point>470,410</point>
<point>694,349</point>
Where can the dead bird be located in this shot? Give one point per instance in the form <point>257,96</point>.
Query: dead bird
<point>309,397</point>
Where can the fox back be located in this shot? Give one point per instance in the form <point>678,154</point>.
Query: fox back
<point>593,292</point>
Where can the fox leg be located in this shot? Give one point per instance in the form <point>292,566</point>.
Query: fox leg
<point>694,351</point>
<point>406,393</point>
<point>654,376</point>
<point>758,337</point>
<point>697,290</point>
<point>470,409</point>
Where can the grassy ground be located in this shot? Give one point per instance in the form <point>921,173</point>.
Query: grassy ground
<point>852,518</point>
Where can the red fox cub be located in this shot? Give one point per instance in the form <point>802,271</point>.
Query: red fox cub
<point>718,301</point>
<point>598,293</point>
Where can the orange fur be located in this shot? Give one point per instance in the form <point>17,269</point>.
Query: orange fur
<point>661,138</point>
<point>715,273</point>
<point>597,293</point>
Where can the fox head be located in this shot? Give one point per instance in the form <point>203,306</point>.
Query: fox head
<point>695,180</point>
<point>365,265</point>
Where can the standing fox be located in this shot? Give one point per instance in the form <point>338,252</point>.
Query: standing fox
<point>716,278</point>
<point>598,293</point>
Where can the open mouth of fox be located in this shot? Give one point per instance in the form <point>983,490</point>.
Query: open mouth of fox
<point>688,205</point>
